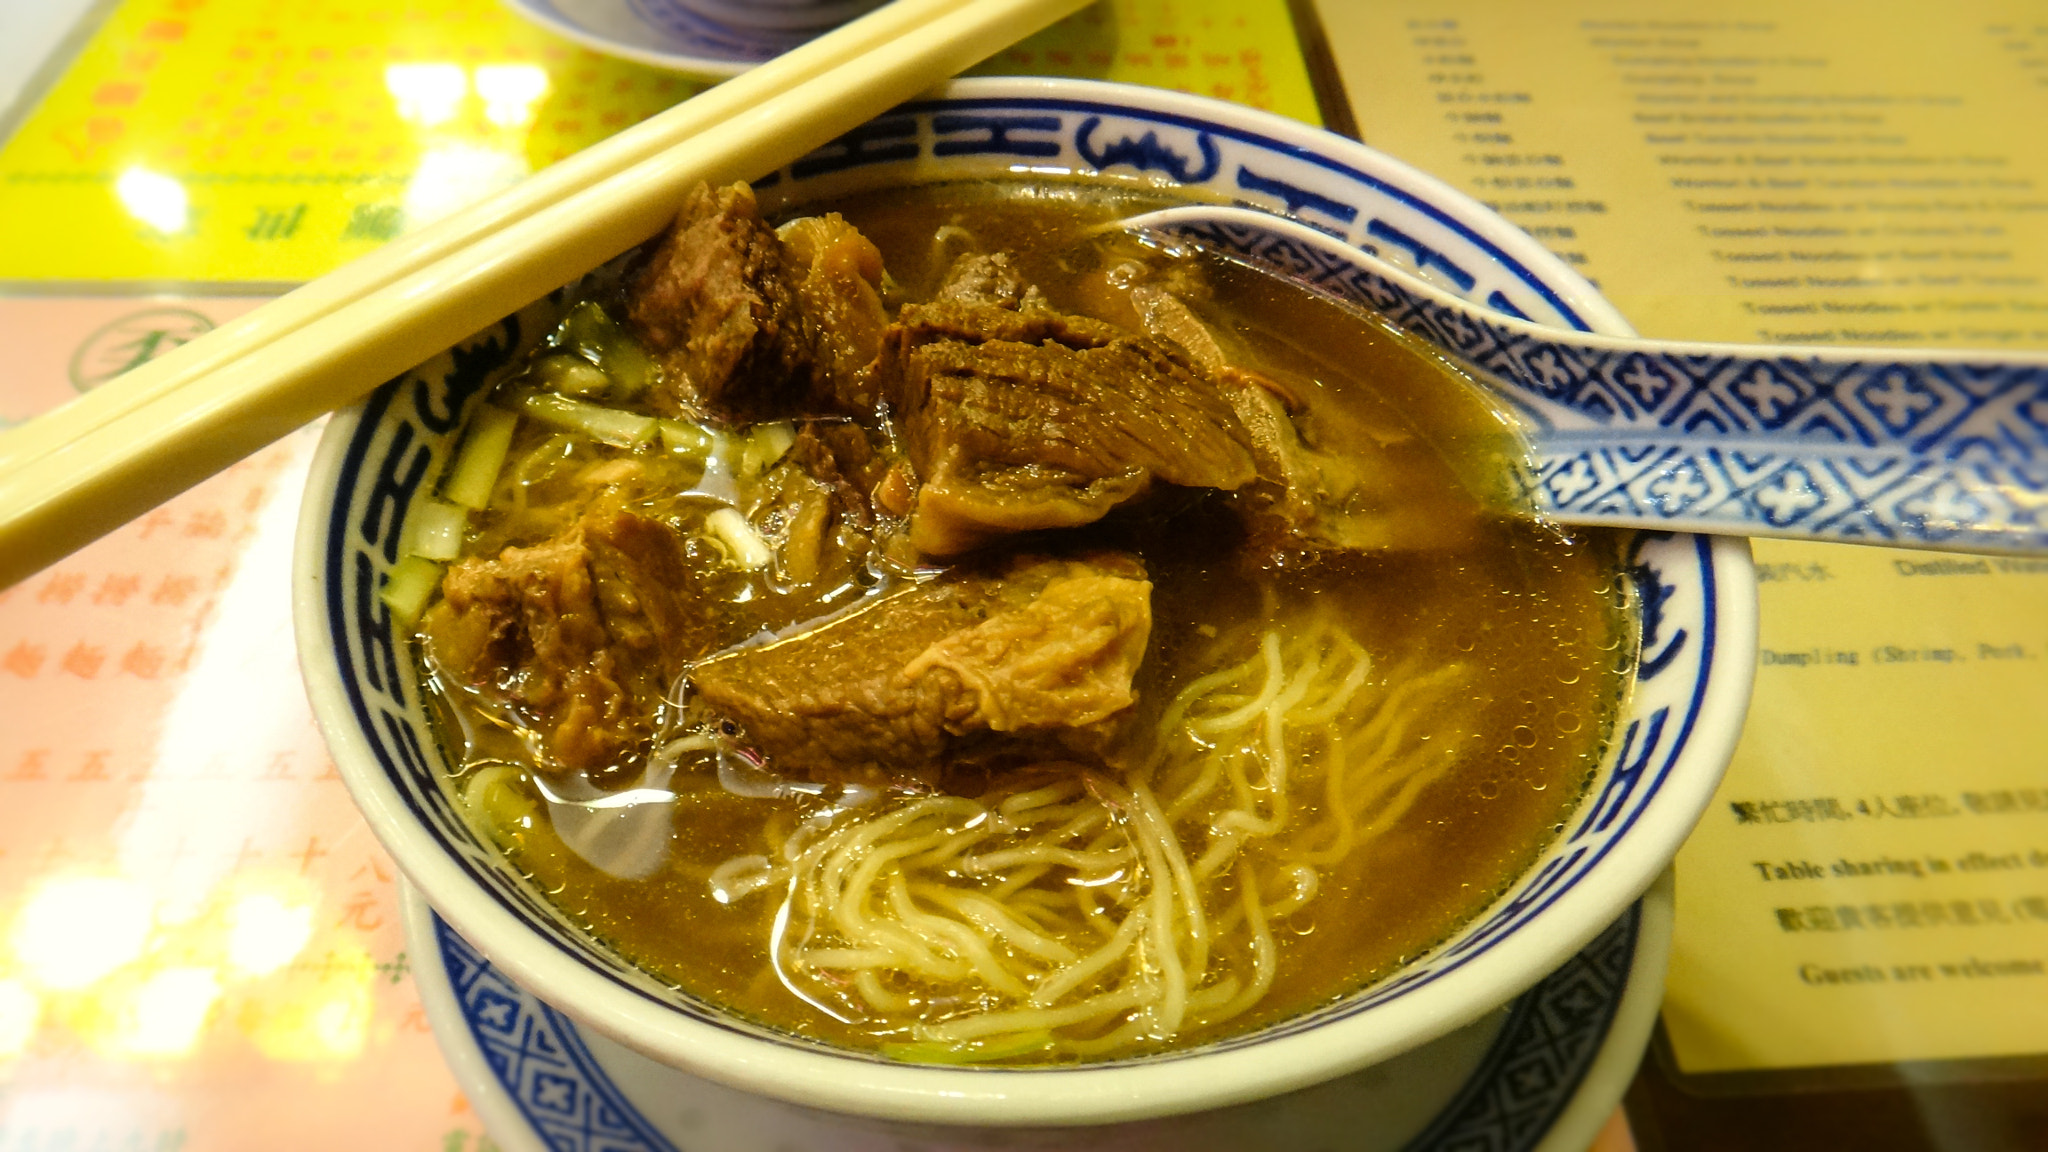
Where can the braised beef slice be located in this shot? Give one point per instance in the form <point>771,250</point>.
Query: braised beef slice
<point>1325,481</point>
<point>841,453</point>
<point>1309,497</point>
<point>1018,655</point>
<point>1022,419</point>
<point>716,305</point>
<point>577,638</point>
<point>752,325</point>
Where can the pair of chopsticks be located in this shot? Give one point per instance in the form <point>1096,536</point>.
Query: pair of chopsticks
<point>77,472</point>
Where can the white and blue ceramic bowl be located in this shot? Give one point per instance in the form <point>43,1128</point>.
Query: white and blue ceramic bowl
<point>1696,593</point>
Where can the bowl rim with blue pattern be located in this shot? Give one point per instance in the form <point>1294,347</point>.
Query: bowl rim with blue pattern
<point>376,461</point>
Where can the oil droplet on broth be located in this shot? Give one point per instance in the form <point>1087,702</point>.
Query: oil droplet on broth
<point>1523,735</point>
<point>1488,789</point>
<point>1464,642</point>
<point>1569,722</point>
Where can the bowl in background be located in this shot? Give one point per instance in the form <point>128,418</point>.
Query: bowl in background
<point>1667,753</point>
<point>795,15</point>
<point>699,37</point>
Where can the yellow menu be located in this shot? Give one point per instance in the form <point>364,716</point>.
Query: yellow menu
<point>1870,884</point>
<point>251,141</point>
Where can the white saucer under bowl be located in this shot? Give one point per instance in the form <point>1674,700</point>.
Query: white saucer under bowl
<point>662,33</point>
<point>1539,1075</point>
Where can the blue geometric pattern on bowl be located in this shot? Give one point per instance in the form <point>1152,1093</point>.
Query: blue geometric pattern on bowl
<point>539,1057</point>
<point>1521,1085</point>
<point>404,434</point>
<point>1945,452</point>
<point>1552,1034</point>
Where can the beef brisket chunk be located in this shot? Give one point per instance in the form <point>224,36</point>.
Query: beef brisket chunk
<point>749,324</point>
<point>1022,419</point>
<point>990,278</point>
<point>1327,481</point>
<point>1018,655</point>
<point>576,639</point>
<point>716,305</point>
<point>838,277</point>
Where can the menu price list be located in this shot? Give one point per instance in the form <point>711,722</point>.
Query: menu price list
<point>1861,954</point>
<point>1825,174</point>
<point>253,142</point>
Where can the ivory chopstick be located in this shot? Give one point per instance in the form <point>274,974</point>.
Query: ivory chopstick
<point>408,254</point>
<point>87,486</point>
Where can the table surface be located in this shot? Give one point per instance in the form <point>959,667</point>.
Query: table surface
<point>203,949</point>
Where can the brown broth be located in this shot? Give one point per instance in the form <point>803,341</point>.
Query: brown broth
<point>1540,613</point>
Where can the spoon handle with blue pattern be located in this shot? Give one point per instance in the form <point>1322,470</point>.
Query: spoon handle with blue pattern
<point>1902,447</point>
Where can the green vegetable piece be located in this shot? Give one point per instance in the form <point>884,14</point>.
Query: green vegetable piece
<point>571,376</point>
<point>632,369</point>
<point>975,1052</point>
<point>435,530</point>
<point>607,425</point>
<point>476,468</point>
<point>590,333</point>
<point>761,446</point>
<point>687,439</point>
<point>587,331</point>
<point>409,587</point>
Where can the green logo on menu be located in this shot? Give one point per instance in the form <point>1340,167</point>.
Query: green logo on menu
<point>136,338</point>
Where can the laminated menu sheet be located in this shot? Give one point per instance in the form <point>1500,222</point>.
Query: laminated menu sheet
<point>243,140</point>
<point>1828,172</point>
<point>202,943</point>
<point>1870,885</point>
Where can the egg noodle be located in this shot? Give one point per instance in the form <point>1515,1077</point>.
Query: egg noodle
<point>1067,918</point>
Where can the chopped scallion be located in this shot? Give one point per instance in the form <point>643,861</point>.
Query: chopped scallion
<point>588,328</point>
<point>762,445</point>
<point>602,341</point>
<point>631,368</point>
<point>688,439</point>
<point>476,468</point>
<point>435,530</point>
<point>972,1052</point>
<point>571,375</point>
<point>407,589</point>
<point>607,425</point>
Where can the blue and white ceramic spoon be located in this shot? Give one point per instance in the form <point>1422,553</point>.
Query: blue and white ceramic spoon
<point>1914,449</point>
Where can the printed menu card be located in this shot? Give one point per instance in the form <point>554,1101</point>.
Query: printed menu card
<point>1871,883</point>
